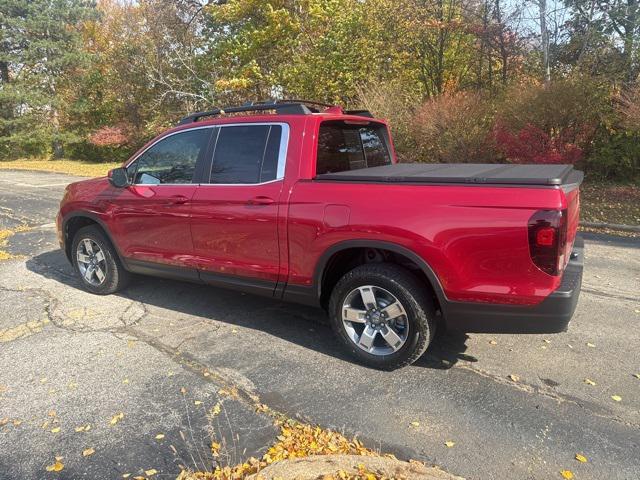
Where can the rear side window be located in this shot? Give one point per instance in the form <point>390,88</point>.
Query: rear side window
<point>246,154</point>
<point>342,147</point>
<point>171,160</point>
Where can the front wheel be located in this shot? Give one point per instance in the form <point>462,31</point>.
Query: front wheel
<point>383,315</point>
<point>96,262</point>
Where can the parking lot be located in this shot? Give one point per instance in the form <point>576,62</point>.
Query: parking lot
<point>144,369</point>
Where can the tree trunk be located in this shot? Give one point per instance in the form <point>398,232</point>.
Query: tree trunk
<point>544,37</point>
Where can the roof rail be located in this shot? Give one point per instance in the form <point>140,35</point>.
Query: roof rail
<point>281,107</point>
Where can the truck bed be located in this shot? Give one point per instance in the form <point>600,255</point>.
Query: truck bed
<point>462,173</point>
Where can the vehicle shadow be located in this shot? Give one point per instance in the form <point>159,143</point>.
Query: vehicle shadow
<point>304,326</point>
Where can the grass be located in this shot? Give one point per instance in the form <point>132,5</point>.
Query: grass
<point>610,203</point>
<point>71,167</point>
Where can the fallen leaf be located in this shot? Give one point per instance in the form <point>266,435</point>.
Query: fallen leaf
<point>43,380</point>
<point>88,451</point>
<point>159,436</point>
<point>515,378</point>
<point>197,402</point>
<point>125,381</point>
<point>17,423</point>
<point>589,382</point>
<point>546,341</point>
<point>56,467</point>
<point>591,345</point>
<point>55,430</point>
<point>183,390</point>
<point>566,474</point>
<point>4,421</point>
<point>233,330</point>
<point>116,418</point>
<point>206,374</point>
<point>492,342</point>
<point>131,343</point>
<point>150,472</point>
<point>215,449</point>
<point>581,458</point>
<point>570,346</point>
<point>126,475</point>
<point>52,413</point>
<point>216,409</point>
<point>415,424</point>
<point>449,443</point>
<point>637,375</point>
<point>616,398</point>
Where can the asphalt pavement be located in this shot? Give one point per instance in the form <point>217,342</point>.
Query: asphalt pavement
<point>147,369</point>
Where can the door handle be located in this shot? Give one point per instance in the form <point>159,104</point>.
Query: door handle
<point>261,200</point>
<point>177,200</point>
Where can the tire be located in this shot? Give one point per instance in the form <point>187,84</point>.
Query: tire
<point>415,326</point>
<point>114,276</point>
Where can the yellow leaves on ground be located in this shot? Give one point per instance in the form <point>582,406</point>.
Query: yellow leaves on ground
<point>590,345</point>
<point>568,474</point>
<point>449,443</point>
<point>197,402</point>
<point>56,466</point>
<point>83,428</point>
<point>415,424</point>
<point>581,458</point>
<point>88,451</point>
<point>589,382</point>
<point>637,375</point>
<point>296,440</point>
<point>492,342</point>
<point>616,398</point>
<point>55,430</point>
<point>150,472</point>
<point>514,378</point>
<point>215,410</point>
<point>215,449</point>
<point>116,418</point>
<point>160,436</point>
<point>228,392</point>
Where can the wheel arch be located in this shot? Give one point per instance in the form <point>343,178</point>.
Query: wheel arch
<point>324,264</point>
<point>75,221</point>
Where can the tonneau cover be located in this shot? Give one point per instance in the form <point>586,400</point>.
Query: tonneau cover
<point>484,173</point>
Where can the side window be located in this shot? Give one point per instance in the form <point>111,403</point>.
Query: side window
<point>171,160</point>
<point>343,147</point>
<point>246,154</point>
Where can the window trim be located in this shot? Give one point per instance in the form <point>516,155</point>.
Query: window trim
<point>135,158</point>
<point>282,153</point>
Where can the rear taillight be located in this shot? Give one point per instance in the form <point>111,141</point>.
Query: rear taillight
<point>548,240</point>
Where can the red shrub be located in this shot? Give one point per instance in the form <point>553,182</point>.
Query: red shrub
<point>110,136</point>
<point>533,145</point>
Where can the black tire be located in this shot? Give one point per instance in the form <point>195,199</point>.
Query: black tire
<point>115,275</point>
<point>412,294</point>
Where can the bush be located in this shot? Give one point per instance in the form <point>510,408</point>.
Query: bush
<point>553,124</point>
<point>454,128</point>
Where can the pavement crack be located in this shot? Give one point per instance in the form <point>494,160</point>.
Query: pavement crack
<point>601,293</point>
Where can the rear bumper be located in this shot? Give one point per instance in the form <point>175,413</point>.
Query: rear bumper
<point>552,315</point>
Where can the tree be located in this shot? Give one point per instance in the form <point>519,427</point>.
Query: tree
<point>40,47</point>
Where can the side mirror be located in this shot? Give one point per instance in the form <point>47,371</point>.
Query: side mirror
<point>118,177</point>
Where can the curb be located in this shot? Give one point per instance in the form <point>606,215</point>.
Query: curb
<point>319,466</point>
<point>613,226</point>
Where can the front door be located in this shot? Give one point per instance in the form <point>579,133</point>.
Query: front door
<point>235,215</point>
<point>151,218</point>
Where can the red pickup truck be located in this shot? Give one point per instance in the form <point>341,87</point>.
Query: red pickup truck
<point>308,204</point>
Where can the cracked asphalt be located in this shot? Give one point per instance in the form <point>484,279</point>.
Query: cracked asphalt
<point>164,353</point>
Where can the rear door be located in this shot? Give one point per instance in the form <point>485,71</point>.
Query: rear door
<point>235,214</point>
<point>151,218</point>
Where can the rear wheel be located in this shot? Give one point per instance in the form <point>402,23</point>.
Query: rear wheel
<point>383,315</point>
<point>96,262</point>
